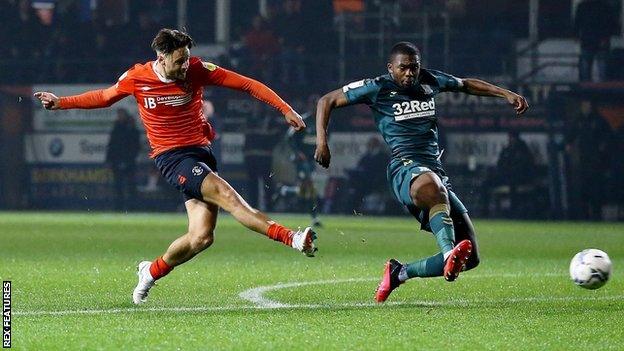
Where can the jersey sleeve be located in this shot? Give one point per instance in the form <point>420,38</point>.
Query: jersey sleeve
<point>446,81</point>
<point>125,83</point>
<point>92,99</point>
<point>205,73</point>
<point>229,79</point>
<point>101,97</point>
<point>361,91</point>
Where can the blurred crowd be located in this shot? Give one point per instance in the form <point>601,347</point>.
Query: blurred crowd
<point>293,46</point>
<point>75,42</point>
<point>289,42</point>
<point>595,170</point>
<point>287,46</point>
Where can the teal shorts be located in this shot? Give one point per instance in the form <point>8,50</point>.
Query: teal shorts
<point>401,173</point>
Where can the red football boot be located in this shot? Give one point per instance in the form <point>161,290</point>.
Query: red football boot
<point>389,281</point>
<point>457,260</point>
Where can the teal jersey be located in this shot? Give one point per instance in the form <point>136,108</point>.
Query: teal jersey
<point>406,117</point>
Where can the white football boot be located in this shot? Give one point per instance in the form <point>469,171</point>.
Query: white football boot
<point>139,295</point>
<point>303,241</point>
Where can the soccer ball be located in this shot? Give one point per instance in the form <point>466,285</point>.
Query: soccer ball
<point>590,269</point>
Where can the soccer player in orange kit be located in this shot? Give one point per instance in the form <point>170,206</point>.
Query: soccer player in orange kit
<point>168,92</point>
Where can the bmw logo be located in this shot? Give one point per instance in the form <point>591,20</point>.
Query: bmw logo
<point>56,147</point>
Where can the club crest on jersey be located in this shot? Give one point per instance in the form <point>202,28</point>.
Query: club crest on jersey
<point>426,89</point>
<point>413,109</point>
<point>197,170</point>
<point>209,66</point>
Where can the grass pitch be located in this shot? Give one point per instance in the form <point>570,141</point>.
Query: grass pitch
<point>73,274</point>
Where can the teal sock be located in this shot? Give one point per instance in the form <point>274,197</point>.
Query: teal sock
<point>442,227</point>
<point>427,267</point>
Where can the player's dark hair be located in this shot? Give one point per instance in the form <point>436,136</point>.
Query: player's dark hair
<point>405,48</point>
<point>168,40</point>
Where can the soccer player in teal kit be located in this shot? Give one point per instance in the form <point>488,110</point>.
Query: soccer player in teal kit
<point>404,109</point>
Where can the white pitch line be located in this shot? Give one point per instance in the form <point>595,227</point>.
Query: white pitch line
<point>256,295</point>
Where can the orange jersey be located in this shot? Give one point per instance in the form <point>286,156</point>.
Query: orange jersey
<point>171,110</point>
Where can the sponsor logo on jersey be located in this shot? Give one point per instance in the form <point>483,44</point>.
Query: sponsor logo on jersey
<point>354,85</point>
<point>413,109</point>
<point>181,179</point>
<point>174,100</point>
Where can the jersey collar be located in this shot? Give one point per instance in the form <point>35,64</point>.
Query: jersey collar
<point>417,87</point>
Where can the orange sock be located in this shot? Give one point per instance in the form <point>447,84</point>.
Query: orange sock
<point>159,268</point>
<point>280,233</point>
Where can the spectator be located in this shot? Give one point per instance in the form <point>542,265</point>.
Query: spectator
<point>616,184</point>
<point>144,32</point>
<point>123,148</point>
<point>302,145</point>
<point>238,53</point>
<point>369,175</point>
<point>30,36</point>
<point>292,56</point>
<point>8,9</point>
<point>514,177</point>
<point>515,162</point>
<point>260,139</point>
<point>594,23</point>
<point>588,138</point>
<point>263,47</point>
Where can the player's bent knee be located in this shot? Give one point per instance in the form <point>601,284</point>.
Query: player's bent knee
<point>429,194</point>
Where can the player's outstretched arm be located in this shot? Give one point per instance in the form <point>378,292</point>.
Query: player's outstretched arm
<point>294,119</point>
<point>261,92</point>
<point>478,87</point>
<point>88,100</point>
<point>48,100</point>
<point>324,106</point>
